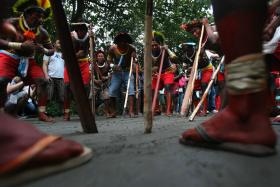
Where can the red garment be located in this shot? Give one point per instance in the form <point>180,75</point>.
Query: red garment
<point>221,76</point>
<point>9,68</point>
<point>206,75</point>
<point>84,68</point>
<point>197,85</point>
<point>165,78</point>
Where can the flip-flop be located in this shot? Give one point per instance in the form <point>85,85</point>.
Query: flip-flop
<point>241,148</point>
<point>9,176</point>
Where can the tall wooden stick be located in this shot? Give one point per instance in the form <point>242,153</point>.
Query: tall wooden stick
<point>136,82</point>
<point>158,81</point>
<point>148,117</point>
<point>189,91</point>
<point>206,91</point>
<point>91,46</point>
<point>86,117</point>
<point>128,85</point>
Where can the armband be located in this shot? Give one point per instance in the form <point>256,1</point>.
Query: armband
<point>14,45</point>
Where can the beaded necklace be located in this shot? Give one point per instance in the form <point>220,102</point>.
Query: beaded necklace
<point>155,58</point>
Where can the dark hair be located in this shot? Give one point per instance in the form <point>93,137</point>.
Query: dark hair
<point>100,51</point>
<point>123,37</point>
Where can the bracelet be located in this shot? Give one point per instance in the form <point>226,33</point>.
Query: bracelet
<point>14,45</point>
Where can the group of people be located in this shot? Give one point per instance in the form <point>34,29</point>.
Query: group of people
<point>115,72</point>
<point>242,126</point>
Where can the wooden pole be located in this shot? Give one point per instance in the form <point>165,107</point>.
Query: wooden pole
<point>189,91</point>
<point>136,82</point>
<point>148,117</point>
<point>206,91</point>
<point>91,47</point>
<point>76,83</point>
<point>158,81</point>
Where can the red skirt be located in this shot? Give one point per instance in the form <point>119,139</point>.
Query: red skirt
<point>84,68</point>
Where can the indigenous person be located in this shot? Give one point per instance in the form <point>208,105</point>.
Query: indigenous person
<point>53,67</point>
<point>20,138</point>
<point>80,40</point>
<point>102,83</point>
<point>168,69</point>
<point>25,38</point>
<point>243,126</point>
<point>119,58</point>
<point>210,42</point>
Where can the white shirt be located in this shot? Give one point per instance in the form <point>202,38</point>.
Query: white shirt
<point>56,65</point>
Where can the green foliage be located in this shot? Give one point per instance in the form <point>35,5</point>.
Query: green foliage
<point>113,16</point>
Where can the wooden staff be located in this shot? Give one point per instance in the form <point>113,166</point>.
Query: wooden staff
<point>158,81</point>
<point>86,117</point>
<point>137,88</point>
<point>128,85</point>
<point>137,78</point>
<point>91,46</point>
<point>189,91</point>
<point>148,117</point>
<point>207,90</point>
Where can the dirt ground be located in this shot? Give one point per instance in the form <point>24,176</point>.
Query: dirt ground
<point>126,157</point>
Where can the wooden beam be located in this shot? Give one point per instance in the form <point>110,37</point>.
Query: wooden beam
<point>148,117</point>
<point>83,107</point>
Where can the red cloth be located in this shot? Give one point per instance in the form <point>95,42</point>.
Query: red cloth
<point>165,78</point>
<point>84,68</point>
<point>221,76</point>
<point>197,85</point>
<point>9,68</point>
<point>206,75</point>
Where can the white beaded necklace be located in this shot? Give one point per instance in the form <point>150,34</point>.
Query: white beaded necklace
<point>155,58</point>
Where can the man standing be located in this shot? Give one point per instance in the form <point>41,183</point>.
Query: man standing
<point>53,67</point>
<point>119,58</point>
<point>80,40</point>
<point>26,37</point>
<point>168,69</point>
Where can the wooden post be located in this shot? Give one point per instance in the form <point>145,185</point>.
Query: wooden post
<point>86,117</point>
<point>148,117</point>
<point>206,91</point>
<point>189,91</point>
